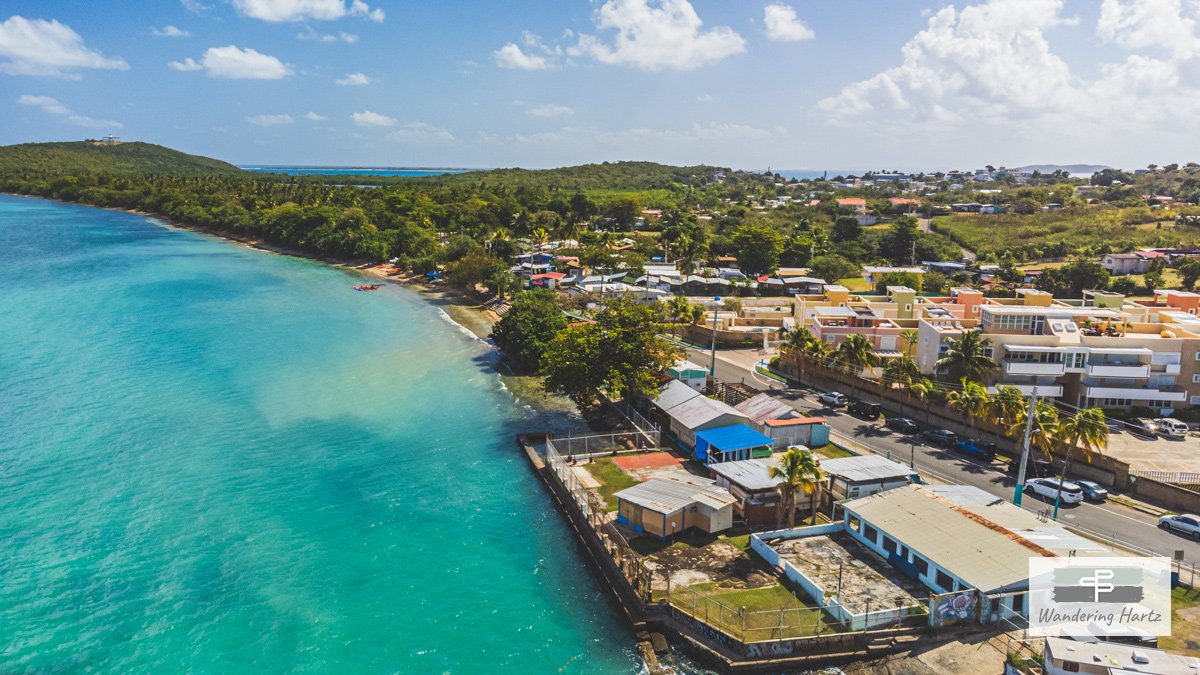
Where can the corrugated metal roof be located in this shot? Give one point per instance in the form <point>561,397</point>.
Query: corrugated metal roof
<point>673,394</point>
<point>751,474</point>
<point>865,468</point>
<point>733,437</point>
<point>978,537</point>
<point>698,411</point>
<point>667,496</point>
<point>765,407</point>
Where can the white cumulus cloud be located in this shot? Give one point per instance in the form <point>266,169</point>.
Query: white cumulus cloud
<point>367,118</point>
<point>169,31</point>
<point>41,47</point>
<point>550,110</point>
<point>783,25</point>
<point>314,117</point>
<point>53,107</point>
<point>354,80</point>
<point>312,35</point>
<point>420,132</point>
<point>270,120</point>
<point>512,56</point>
<point>306,10</point>
<point>657,35</point>
<point>234,63</point>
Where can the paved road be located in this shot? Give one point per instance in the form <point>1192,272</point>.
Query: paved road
<point>1104,522</point>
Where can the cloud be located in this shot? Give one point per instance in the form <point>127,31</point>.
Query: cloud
<point>312,116</point>
<point>270,120</point>
<point>783,25</point>
<point>420,132</point>
<point>40,47</point>
<point>367,118</point>
<point>305,10</point>
<point>512,56</point>
<point>309,34</point>
<point>231,62</point>
<point>195,6</point>
<point>550,110</point>
<point>354,80</point>
<point>1149,23</point>
<point>988,62</point>
<point>657,35</point>
<point>53,107</point>
<point>169,31</point>
<point>704,98</point>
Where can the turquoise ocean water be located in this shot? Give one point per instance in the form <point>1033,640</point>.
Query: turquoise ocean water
<point>218,460</point>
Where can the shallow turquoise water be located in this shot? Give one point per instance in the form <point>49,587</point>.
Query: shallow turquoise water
<point>218,460</point>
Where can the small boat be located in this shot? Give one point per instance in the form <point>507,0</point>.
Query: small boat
<point>368,287</point>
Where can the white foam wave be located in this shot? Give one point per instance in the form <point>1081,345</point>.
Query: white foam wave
<point>461,328</point>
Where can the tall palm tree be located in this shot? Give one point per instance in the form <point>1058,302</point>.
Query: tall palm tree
<point>968,357</point>
<point>1007,405</point>
<point>856,353</point>
<point>1087,431</point>
<point>909,337</point>
<point>679,309</point>
<point>1045,426</point>
<point>801,472</point>
<point>971,400</point>
<point>902,371</point>
<point>798,340</point>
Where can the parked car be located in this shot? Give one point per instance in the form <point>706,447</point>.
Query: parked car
<point>870,411</point>
<point>939,437</point>
<point>1036,468</point>
<point>902,424</point>
<point>975,448</point>
<point>1092,490</point>
<point>1172,427</point>
<point>1184,523</point>
<point>1142,427</point>
<point>1047,488</point>
<point>832,399</point>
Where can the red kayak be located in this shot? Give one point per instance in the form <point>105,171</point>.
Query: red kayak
<point>368,287</point>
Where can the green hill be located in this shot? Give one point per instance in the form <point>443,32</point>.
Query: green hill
<point>604,176</point>
<point>123,158</point>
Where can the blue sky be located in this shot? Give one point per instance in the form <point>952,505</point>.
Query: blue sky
<point>795,84</point>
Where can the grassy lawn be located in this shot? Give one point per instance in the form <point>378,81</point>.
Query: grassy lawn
<point>612,480</point>
<point>856,284</point>
<point>1185,623</point>
<point>832,451</point>
<point>763,618</point>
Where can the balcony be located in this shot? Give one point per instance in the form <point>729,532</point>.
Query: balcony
<point>1043,390</point>
<point>1033,368</point>
<point>1135,370</point>
<point>1134,393</point>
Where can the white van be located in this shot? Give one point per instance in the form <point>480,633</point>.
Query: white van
<point>1172,427</point>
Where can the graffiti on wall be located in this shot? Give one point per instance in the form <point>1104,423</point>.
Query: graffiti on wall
<point>953,609</point>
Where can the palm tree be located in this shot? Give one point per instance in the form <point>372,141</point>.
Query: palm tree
<point>801,472</point>
<point>856,353</point>
<point>798,340</point>
<point>1007,404</point>
<point>971,400</point>
<point>902,371</point>
<point>1045,426</point>
<point>679,309</point>
<point>909,337</point>
<point>1087,431</point>
<point>968,357</point>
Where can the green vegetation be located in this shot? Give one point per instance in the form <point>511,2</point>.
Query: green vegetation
<point>611,478</point>
<point>122,158</point>
<point>831,451</point>
<point>764,619</point>
<point>1185,623</point>
<point>527,329</point>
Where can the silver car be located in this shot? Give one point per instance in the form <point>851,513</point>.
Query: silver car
<point>1184,523</point>
<point>1047,488</point>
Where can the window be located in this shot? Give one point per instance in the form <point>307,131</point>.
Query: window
<point>921,564</point>
<point>889,545</point>
<point>1196,378</point>
<point>869,533</point>
<point>944,581</point>
<point>854,523</point>
<point>1070,667</point>
<point>1018,603</point>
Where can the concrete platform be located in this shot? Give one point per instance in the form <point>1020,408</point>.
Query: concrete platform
<point>1160,454</point>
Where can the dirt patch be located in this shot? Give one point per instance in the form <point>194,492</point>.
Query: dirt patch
<point>653,459</point>
<point>869,580</point>
<point>719,562</point>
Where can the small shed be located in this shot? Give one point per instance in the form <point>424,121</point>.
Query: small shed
<point>865,475</point>
<point>690,374</point>
<point>731,443</point>
<point>756,492</point>
<point>664,507</point>
<point>810,431</point>
<point>699,414</point>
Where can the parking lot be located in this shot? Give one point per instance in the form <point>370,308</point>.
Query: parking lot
<point>1161,454</point>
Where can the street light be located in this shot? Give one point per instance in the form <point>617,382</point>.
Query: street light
<point>712,368</point>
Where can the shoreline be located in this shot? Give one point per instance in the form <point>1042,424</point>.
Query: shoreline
<point>555,412</point>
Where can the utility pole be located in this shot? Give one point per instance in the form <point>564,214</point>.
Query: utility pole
<point>712,368</point>
<point>1020,488</point>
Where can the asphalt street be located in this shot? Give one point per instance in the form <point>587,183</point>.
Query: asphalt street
<point>1109,522</point>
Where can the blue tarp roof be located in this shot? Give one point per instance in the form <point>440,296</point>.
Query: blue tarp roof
<point>736,437</point>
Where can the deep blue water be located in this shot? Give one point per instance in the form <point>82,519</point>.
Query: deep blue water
<point>218,460</point>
